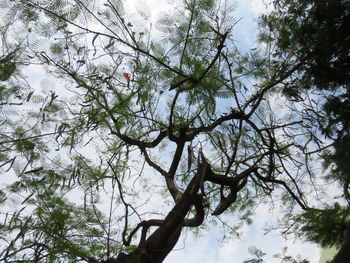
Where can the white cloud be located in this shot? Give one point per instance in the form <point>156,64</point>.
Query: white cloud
<point>260,6</point>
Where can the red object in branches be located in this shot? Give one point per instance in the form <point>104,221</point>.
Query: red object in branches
<point>127,75</point>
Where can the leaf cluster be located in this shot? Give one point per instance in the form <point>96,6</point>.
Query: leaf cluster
<point>325,227</point>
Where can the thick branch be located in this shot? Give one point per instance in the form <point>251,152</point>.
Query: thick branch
<point>226,202</point>
<point>145,225</point>
<point>169,178</point>
<point>225,180</point>
<point>198,219</point>
<point>142,144</point>
<point>233,115</point>
<point>151,163</point>
<point>162,240</point>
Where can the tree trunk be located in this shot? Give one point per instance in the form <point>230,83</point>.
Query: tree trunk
<point>160,243</point>
<point>343,256</point>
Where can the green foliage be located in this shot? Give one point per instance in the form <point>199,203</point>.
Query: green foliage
<point>130,248</point>
<point>56,48</point>
<point>325,227</point>
<point>338,161</point>
<point>337,122</point>
<point>7,66</point>
<point>6,70</point>
<point>126,103</point>
<point>54,223</point>
<point>315,36</point>
<point>24,146</point>
<point>2,196</point>
<point>6,92</point>
<point>314,32</point>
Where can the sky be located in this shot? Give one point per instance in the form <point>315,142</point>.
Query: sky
<point>209,246</point>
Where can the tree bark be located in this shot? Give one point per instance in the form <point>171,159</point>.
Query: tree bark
<point>160,243</point>
<point>343,256</point>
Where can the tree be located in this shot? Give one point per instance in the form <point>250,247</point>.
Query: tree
<point>184,112</point>
<point>316,34</point>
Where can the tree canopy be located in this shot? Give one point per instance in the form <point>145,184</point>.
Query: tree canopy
<point>316,34</point>
<point>134,111</point>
